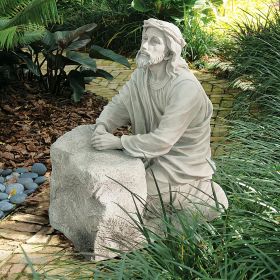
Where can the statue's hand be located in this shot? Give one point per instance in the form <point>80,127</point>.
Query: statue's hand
<point>99,130</point>
<point>106,141</point>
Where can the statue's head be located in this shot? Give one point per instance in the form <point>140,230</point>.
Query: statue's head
<point>161,41</point>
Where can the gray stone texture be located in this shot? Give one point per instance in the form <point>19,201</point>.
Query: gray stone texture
<point>85,204</point>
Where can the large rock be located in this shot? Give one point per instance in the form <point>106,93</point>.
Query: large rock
<point>85,204</point>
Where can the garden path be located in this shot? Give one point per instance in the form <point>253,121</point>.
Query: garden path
<point>28,225</point>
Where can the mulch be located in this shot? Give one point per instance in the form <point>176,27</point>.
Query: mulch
<point>31,120</point>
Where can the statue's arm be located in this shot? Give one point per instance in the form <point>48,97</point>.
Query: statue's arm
<point>183,106</point>
<point>115,113</point>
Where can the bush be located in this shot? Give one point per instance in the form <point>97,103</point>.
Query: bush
<point>200,40</point>
<point>120,22</point>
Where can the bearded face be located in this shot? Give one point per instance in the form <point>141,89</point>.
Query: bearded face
<point>153,48</point>
<point>144,60</point>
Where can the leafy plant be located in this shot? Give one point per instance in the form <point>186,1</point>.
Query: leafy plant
<point>23,21</point>
<point>200,41</point>
<point>59,50</point>
<point>173,8</point>
<point>120,22</point>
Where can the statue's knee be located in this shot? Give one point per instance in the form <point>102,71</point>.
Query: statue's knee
<point>220,196</point>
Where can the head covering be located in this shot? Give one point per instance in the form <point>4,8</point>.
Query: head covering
<point>175,43</point>
<point>168,28</point>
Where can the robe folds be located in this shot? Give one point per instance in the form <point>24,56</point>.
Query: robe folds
<point>170,123</point>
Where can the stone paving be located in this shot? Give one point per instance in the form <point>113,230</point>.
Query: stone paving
<point>28,226</point>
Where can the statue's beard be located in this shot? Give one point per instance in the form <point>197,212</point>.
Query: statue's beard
<point>144,60</point>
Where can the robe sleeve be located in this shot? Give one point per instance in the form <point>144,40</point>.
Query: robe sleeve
<point>184,104</point>
<point>115,113</point>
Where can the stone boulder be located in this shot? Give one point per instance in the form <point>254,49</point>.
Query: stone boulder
<point>85,204</point>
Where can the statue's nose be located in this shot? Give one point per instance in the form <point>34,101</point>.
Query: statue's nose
<point>144,46</point>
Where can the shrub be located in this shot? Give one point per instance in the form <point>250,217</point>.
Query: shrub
<point>200,40</point>
<point>60,49</point>
<point>120,22</point>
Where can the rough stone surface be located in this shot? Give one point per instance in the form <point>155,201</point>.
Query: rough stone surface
<point>29,218</point>
<point>16,269</point>
<point>14,235</point>
<point>4,254</point>
<point>4,269</point>
<point>41,237</point>
<point>36,258</point>
<point>85,203</point>
<point>18,226</point>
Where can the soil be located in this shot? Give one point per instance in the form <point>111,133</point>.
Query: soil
<point>31,120</point>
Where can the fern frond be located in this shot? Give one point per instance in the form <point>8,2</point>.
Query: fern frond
<point>7,6</point>
<point>39,12</point>
<point>8,37</point>
<point>24,20</point>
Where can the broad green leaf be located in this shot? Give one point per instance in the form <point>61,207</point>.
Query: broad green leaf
<point>82,58</point>
<point>98,73</point>
<point>49,41</point>
<point>140,5</point>
<point>65,38</point>
<point>78,44</point>
<point>30,64</point>
<point>8,37</point>
<point>77,84</point>
<point>99,52</point>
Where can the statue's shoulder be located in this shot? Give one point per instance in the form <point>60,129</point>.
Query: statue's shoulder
<point>185,76</point>
<point>138,73</point>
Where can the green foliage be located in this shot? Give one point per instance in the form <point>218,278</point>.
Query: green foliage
<point>23,21</point>
<point>172,8</point>
<point>255,56</point>
<point>119,26</point>
<point>200,41</point>
<point>120,22</point>
<point>60,49</point>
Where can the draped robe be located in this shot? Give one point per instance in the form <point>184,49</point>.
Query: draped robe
<point>170,123</point>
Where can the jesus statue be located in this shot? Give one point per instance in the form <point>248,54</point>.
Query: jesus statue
<point>170,114</point>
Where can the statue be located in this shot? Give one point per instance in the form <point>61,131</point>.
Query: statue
<point>170,114</point>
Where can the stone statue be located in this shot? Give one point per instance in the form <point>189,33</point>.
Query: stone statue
<point>170,114</point>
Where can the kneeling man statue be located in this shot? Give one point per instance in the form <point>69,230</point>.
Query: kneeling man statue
<point>170,114</point>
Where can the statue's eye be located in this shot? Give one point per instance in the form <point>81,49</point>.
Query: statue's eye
<point>155,41</point>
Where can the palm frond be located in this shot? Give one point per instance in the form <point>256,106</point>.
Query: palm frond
<point>8,37</point>
<point>39,12</point>
<point>23,21</point>
<point>7,6</point>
